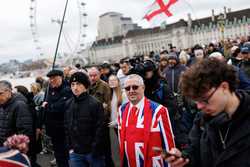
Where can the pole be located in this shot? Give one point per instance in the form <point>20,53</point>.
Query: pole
<point>59,36</point>
<point>57,45</point>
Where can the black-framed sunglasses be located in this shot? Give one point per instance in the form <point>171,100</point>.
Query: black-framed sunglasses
<point>134,87</point>
<point>206,101</point>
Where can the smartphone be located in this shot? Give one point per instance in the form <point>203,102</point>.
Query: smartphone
<point>164,152</point>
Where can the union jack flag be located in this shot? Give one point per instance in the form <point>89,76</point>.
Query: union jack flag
<point>13,158</point>
<point>152,128</point>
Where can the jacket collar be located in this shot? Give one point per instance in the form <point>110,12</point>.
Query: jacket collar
<point>82,97</point>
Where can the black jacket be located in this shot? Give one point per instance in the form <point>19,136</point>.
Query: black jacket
<point>84,123</point>
<point>54,112</point>
<point>15,118</point>
<point>172,74</point>
<point>206,149</point>
<point>157,89</point>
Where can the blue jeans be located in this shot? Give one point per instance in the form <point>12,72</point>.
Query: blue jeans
<point>86,160</point>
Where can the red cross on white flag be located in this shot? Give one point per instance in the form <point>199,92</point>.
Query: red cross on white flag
<point>160,7</point>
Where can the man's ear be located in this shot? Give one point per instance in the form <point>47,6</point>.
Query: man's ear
<point>225,85</point>
<point>143,86</point>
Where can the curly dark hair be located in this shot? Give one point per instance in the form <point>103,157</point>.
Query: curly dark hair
<point>204,75</point>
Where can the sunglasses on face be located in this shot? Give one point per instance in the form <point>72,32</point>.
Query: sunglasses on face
<point>134,87</point>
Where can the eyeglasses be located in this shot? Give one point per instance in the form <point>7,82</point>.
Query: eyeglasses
<point>206,101</point>
<point>134,87</point>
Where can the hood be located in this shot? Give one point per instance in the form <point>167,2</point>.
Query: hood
<point>244,107</point>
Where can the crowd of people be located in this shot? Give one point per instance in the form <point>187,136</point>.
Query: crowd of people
<point>178,108</point>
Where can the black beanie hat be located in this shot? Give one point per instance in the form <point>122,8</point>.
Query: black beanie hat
<point>149,65</point>
<point>55,72</point>
<point>172,55</point>
<point>81,78</point>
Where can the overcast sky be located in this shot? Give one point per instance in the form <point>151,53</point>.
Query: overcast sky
<point>16,41</point>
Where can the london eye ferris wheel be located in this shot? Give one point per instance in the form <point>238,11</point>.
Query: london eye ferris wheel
<point>43,27</point>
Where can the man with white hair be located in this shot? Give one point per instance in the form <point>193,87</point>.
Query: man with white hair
<point>217,55</point>
<point>144,128</point>
<point>101,91</point>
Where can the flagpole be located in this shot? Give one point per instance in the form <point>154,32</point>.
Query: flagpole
<point>59,36</point>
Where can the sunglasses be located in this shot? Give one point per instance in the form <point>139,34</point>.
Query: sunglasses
<point>134,87</point>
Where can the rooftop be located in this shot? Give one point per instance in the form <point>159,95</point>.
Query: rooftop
<point>229,16</point>
<point>108,41</point>
<point>110,13</point>
<point>139,32</point>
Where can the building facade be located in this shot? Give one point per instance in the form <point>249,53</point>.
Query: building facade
<point>113,24</point>
<point>182,34</point>
<point>226,25</point>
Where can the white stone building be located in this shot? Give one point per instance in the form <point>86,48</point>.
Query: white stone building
<point>226,25</point>
<point>182,34</point>
<point>113,24</point>
<point>158,38</point>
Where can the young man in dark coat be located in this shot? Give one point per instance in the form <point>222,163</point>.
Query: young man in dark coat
<point>220,135</point>
<point>84,123</point>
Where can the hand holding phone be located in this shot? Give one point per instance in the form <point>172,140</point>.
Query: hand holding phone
<point>165,153</point>
<point>174,157</point>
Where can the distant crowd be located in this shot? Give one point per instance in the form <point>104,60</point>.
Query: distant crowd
<point>178,108</point>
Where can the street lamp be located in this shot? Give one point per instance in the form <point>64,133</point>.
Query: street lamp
<point>93,53</point>
<point>221,22</point>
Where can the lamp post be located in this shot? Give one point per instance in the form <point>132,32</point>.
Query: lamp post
<point>93,53</point>
<point>59,36</point>
<point>221,22</point>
